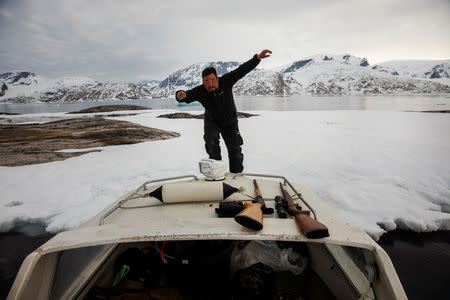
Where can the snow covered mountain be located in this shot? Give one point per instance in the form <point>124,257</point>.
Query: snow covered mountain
<point>13,82</point>
<point>25,87</point>
<point>428,69</point>
<point>349,75</point>
<point>267,82</point>
<point>317,75</point>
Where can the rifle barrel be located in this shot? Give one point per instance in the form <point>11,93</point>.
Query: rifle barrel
<point>311,228</point>
<point>257,191</point>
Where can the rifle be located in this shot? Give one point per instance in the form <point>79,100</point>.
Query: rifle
<point>310,227</point>
<point>252,215</point>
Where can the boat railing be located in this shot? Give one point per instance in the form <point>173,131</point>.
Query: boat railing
<point>144,187</point>
<point>285,182</point>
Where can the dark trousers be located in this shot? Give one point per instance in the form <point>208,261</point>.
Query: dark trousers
<point>233,141</point>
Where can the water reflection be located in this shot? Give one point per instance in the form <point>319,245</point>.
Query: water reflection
<point>395,103</point>
<point>255,103</point>
<point>300,103</point>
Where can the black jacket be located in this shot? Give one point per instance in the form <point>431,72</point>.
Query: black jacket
<point>219,105</point>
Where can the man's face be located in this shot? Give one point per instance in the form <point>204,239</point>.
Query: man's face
<point>211,82</point>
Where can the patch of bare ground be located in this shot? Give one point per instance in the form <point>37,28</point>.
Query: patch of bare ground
<point>26,144</point>
<point>437,111</point>
<point>109,108</point>
<point>8,114</point>
<point>191,116</point>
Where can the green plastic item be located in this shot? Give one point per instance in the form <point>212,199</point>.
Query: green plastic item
<point>121,274</point>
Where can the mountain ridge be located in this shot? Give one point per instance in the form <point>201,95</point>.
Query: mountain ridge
<point>322,74</point>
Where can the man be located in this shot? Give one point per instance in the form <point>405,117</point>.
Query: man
<point>216,96</point>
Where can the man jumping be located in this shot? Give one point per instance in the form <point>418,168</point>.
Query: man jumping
<point>216,96</point>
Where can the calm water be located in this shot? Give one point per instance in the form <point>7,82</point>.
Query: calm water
<point>258,103</point>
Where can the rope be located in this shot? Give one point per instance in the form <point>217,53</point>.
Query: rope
<point>138,196</point>
<point>141,206</point>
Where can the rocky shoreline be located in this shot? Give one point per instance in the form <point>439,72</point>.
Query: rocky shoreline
<point>184,115</point>
<point>8,114</point>
<point>109,108</point>
<point>26,144</point>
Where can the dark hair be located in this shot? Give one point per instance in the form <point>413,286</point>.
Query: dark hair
<point>209,70</point>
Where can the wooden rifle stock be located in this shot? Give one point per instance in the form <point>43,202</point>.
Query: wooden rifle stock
<point>310,227</point>
<point>252,215</point>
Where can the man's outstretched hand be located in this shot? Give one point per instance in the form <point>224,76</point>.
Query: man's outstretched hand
<point>181,95</point>
<point>265,53</point>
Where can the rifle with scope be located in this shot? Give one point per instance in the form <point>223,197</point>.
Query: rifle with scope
<point>310,227</point>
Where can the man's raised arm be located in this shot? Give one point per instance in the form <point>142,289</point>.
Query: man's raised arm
<point>246,67</point>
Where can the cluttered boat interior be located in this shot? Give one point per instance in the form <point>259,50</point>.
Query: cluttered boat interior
<point>216,269</point>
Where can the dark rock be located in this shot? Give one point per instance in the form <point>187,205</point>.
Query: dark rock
<point>109,108</point>
<point>245,115</point>
<point>8,114</point>
<point>3,89</point>
<point>438,71</point>
<point>27,144</point>
<point>437,111</point>
<point>6,75</point>
<point>327,58</point>
<point>297,65</point>
<point>364,62</point>
<point>22,75</point>
<point>435,74</point>
<point>380,68</point>
<point>181,116</point>
<point>190,116</point>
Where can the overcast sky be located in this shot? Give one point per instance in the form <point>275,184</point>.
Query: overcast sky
<point>132,40</point>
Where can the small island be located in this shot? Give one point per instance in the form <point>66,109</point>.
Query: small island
<point>26,144</point>
<point>109,108</point>
<point>201,116</point>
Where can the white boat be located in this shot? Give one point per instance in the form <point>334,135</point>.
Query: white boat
<point>187,252</point>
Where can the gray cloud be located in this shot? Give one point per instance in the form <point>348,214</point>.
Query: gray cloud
<point>132,40</point>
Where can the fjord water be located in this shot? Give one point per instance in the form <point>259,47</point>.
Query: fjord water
<point>261,103</point>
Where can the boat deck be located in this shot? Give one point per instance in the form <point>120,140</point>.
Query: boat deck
<point>147,219</point>
<point>141,220</point>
